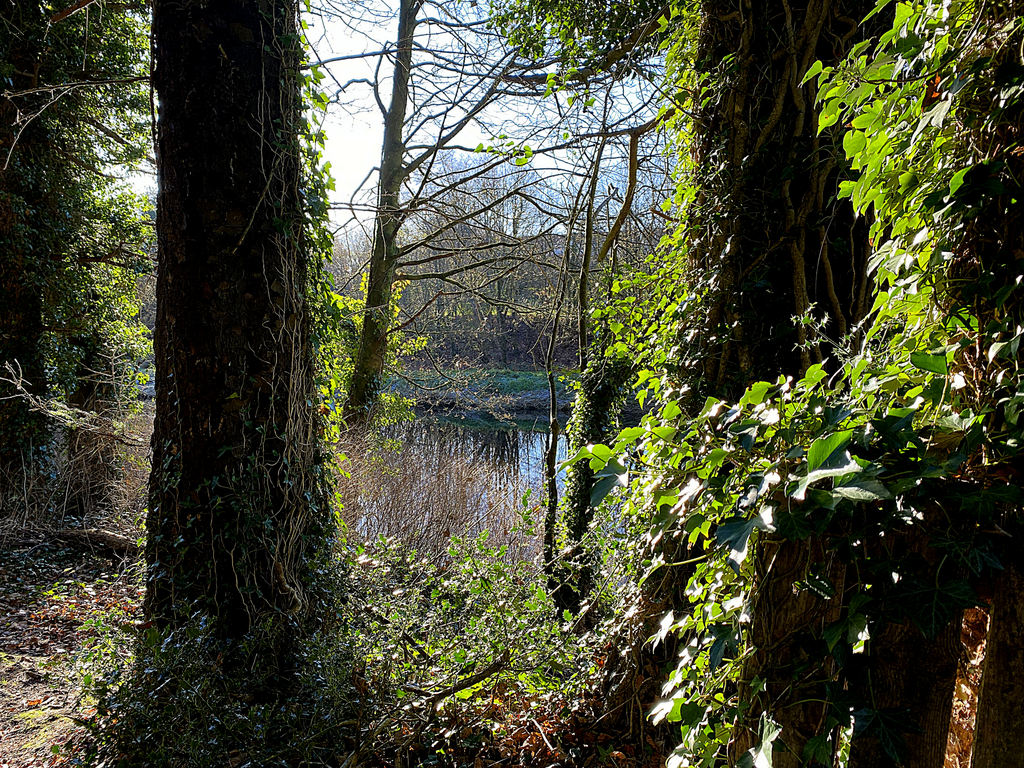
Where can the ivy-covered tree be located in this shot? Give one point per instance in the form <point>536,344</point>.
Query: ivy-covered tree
<point>938,155</point>
<point>236,495</point>
<point>835,525</point>
<point>777,274</point>
<point>238,508</point>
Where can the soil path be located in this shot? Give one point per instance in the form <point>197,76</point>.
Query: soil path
<point>64,613</point>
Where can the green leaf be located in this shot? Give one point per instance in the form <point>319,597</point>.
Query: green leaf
<point>755,393</point>
<point>863,490</point>
<point>664,433</point>
<point>761,756</point>
<point>734,533</point>
<point>841,464</point>
<point>822,448</point>
<point>826,121</point>
<point>630,435</point>
<point>854,142</point>
<point>813,376</point>
<point>929,362</point>
<point>600,454</point>
<point>613,474</point>
<point>957,181</point>
<point>814,70</point>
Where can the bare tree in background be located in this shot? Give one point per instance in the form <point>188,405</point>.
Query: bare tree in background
<point>455,86</point>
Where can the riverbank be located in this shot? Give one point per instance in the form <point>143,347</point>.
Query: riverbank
<point>506,396</point>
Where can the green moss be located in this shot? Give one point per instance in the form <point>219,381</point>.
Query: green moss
<point>34,715</point>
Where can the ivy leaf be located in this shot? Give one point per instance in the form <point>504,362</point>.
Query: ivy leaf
<point>677,709</point>
<point>854,142</point>
<point>958,180</point>
<point>734,533</point>
<point>726,639</point>
<point>761,755</point>
<point>600,454</point>
<point>839,464</point>
<point>888,726</point>
<point>629,435</point>
<point>814,70</point>
<point>824,447</point>
<point>611,475</point>
<point>863,490</point>
<point>756,393</point>
<point>929,362</point>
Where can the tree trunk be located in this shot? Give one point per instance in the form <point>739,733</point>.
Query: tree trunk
<point>787,621</point>
<point>909,678</point>
<point>997,734</point>
<point>21,430</point>
<point>988,268</point>
<point>598,398</point>
<point>235,502</point>
<point>779,240</point>
<point>373,338</point>
<point>902,685</point>
<point>773,241</point>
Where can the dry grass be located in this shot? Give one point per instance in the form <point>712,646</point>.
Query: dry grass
<point>424,486</point>
<point>95,477</point>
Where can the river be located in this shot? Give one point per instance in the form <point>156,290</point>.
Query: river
<point>430,479</point>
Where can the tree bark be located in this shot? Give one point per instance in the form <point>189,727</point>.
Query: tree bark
<point>779,239</point>
<point>911,678</point>
<point>997,732</point>
<point>787,623</point>
<point>902,685</point>
<point>373,338</point>
<point>773,240</point>
<point>235,504</point>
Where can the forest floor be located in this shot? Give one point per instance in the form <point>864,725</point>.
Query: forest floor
<point>61,608</point>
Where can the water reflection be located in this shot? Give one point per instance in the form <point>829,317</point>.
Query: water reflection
<point>431,479</point>
<point>515,452</point>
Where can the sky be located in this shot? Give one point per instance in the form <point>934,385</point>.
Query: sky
<point>348,43</point>
<point>354,125</point>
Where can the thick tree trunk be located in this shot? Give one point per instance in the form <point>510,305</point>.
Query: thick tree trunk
<point>21,331</point>
<point>778,240</point>
<point>909,678</point>
<point>902,685</point>
<point>997,737</point>
<point>989,267</point>
<point>234,493</point>
<point>373,338</point>
<point>774,241</point>
<point>787,622</point>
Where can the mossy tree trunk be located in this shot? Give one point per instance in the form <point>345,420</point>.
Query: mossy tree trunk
<point>598,398</point>
<point>235,491</point>
<point>776,240</point>
<point>772,242</point>
<point>371,354</point>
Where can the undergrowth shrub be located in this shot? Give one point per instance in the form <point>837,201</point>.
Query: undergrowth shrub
<point>185,697</point>
<point>462,650</point>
